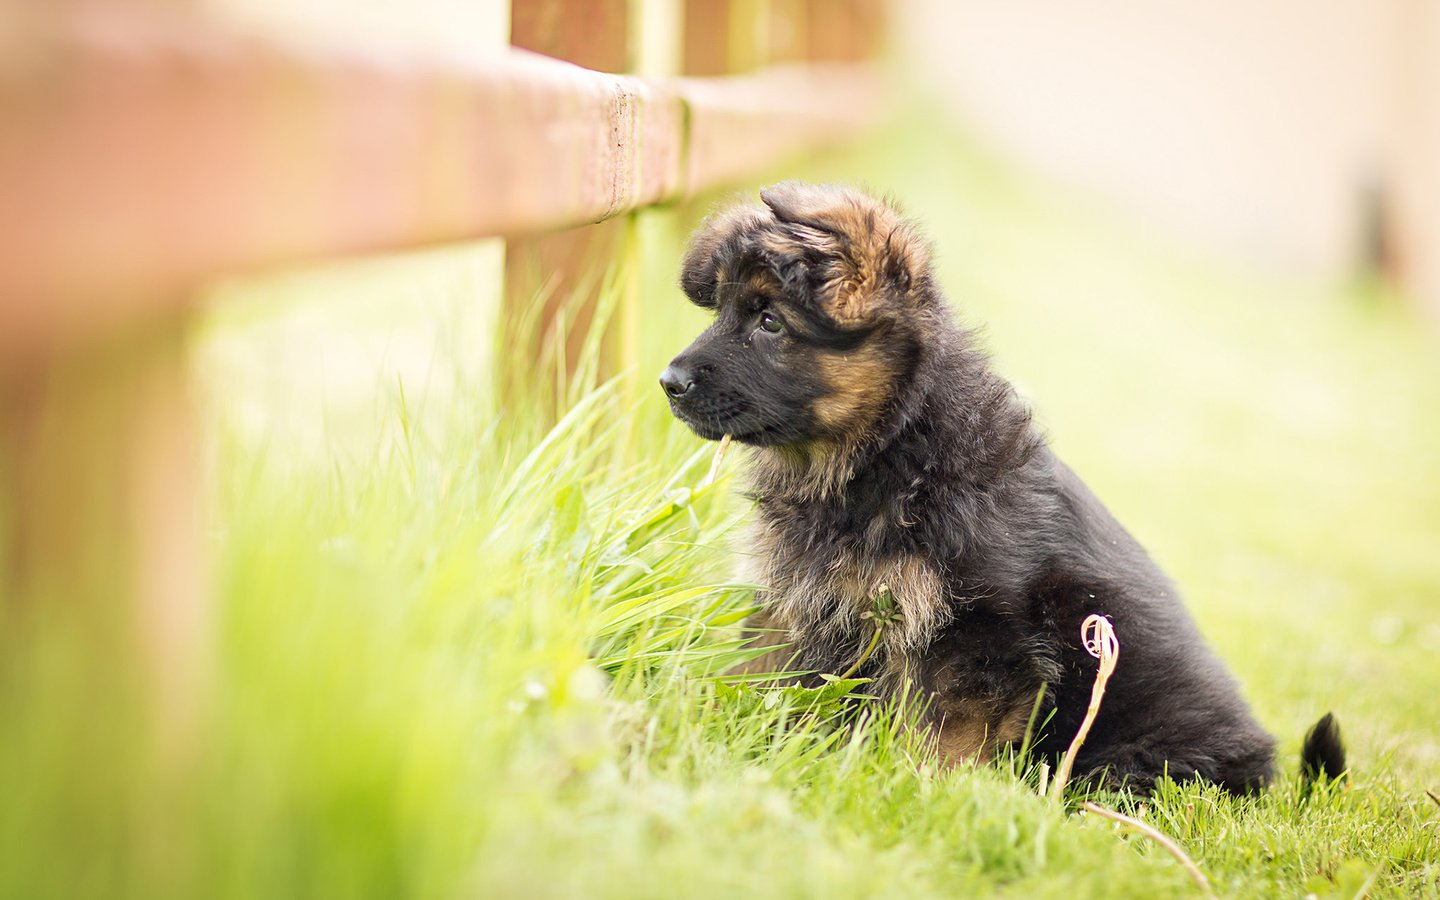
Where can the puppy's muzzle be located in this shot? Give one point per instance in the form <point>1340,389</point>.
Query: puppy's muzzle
<point>677,381</point>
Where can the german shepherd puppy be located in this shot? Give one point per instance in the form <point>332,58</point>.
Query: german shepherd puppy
<point>890,458</point>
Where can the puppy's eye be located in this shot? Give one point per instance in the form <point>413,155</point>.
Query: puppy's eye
<point>771,324</point>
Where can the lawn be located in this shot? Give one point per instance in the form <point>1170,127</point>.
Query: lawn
<point>463,650</point>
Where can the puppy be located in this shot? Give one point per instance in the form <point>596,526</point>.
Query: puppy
<point>890,459</point>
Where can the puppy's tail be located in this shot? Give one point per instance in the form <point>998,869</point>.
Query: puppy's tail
<point>1323,753</point>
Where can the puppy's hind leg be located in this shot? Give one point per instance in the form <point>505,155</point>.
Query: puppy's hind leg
<point>961,738</point>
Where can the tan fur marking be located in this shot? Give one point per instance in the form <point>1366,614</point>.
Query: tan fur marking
<point>1012,724</point>
<point>875,239</point>
<point>963,736</point>
<point>960,740</point>
<point>762,283</point>
<point>860,385</point>
<point>850,299</point>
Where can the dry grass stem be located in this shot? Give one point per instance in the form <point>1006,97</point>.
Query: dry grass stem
<point>1433,796</point>
<point>1158,837</point>
<point>1099,637</point>
<point>715,463</point>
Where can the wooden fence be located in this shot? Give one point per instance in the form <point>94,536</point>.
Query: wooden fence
<point>147,148</point>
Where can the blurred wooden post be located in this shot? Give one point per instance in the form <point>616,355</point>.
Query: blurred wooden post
<point>103,541</point>
<point>724,37</point>
<point>844,30</point>
<point>569,266</point>
<point>1412,193</point>
<point>728,37</point>
<point>590,33</point>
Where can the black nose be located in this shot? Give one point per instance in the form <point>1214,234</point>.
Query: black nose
<point>676,381</point>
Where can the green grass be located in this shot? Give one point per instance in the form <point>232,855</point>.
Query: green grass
<point>460,652</point>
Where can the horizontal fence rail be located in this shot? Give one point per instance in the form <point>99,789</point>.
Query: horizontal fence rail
<point>140,156</point>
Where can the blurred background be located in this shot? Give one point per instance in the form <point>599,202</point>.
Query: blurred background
<point>320,320</point>
<point>1299,136</point>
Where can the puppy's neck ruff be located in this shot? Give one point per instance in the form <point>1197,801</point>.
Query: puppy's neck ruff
<point>803,473</point>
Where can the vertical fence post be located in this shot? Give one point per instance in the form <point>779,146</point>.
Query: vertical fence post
<point>568,266</point>
<point>1413,193</point>
<point>723,37</point>
<point>844,30</point>
<point>103,545</point>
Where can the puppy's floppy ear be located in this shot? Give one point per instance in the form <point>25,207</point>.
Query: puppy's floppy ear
<point>880,244</point>
<point>825,207</point>
<point>712,254</point>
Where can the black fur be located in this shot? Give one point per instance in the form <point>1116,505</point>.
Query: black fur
<point>943,466</point>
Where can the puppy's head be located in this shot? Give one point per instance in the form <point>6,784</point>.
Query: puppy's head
<point>820,298</point>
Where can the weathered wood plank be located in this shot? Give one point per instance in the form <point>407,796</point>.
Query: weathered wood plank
<point>742,123</point>
<point>139,157</point>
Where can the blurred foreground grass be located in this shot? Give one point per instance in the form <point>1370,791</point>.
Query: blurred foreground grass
<point>461,653</point>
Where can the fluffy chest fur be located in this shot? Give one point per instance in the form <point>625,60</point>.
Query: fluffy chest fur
<point>822,583</point>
